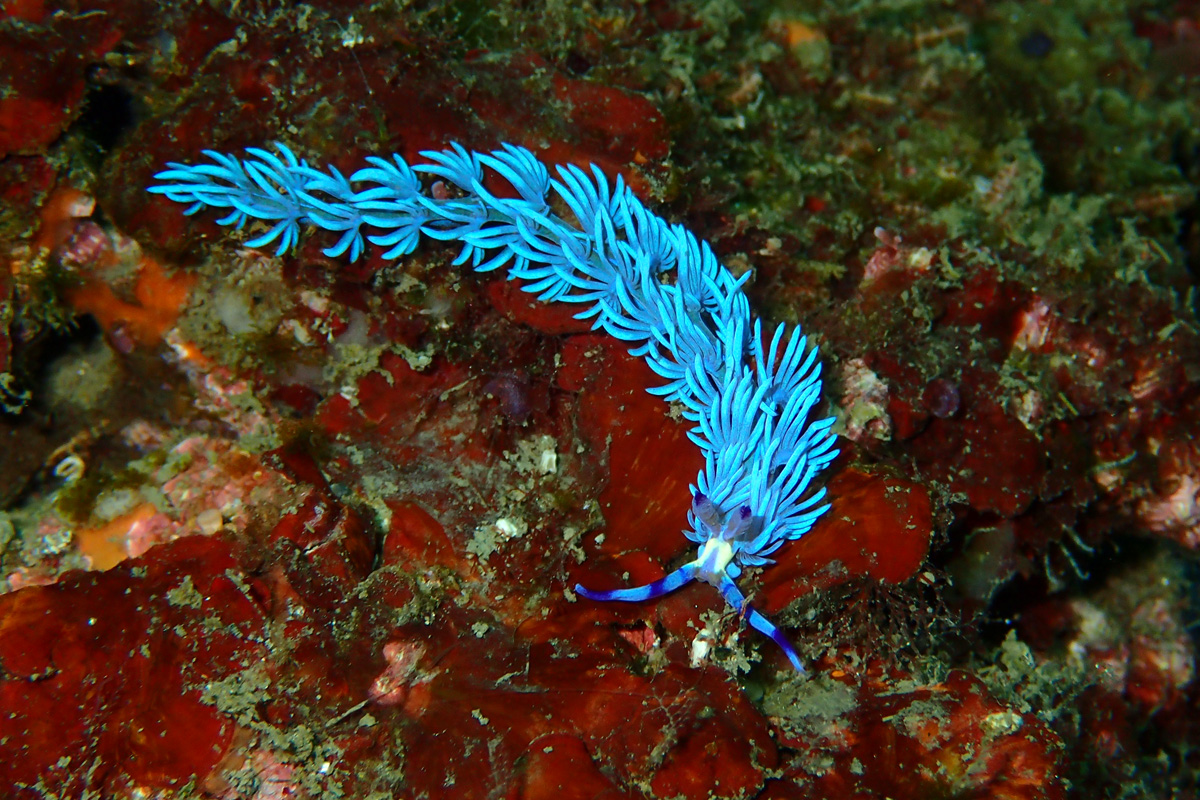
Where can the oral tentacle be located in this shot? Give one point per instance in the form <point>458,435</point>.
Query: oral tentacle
<point>733,595</point>
<point>658,588</point>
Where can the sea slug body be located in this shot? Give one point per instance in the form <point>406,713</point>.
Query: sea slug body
<point>645,281</point>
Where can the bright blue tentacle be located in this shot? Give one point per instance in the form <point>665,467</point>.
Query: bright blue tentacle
<point>733,595</point>
<point>670,583</point>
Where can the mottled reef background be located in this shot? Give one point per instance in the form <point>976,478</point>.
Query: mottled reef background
<point>290,527</point>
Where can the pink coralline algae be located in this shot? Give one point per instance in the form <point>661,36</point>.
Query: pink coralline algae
<point>400,682</point>
<point>1173,509</point>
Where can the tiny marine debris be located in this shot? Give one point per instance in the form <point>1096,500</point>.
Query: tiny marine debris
<point>642,280</point>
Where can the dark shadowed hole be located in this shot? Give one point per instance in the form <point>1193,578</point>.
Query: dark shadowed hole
<point>108,113</point>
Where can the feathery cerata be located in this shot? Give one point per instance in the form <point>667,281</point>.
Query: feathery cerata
<point>641,279</point>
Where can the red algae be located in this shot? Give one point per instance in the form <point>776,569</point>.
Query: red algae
<point>649,451</point>
<point>987,455</point>
<point>949,735</point>
<point>560,766</point>
<point>183,619</point>
<point>332,513</point>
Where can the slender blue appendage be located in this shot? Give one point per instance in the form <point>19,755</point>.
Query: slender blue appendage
<point>733,595</point>
<point>660,587</point>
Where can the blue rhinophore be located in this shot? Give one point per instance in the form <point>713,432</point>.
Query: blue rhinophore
<point>576,239</point>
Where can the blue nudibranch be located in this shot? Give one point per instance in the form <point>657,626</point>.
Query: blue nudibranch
<point>641,279</point>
